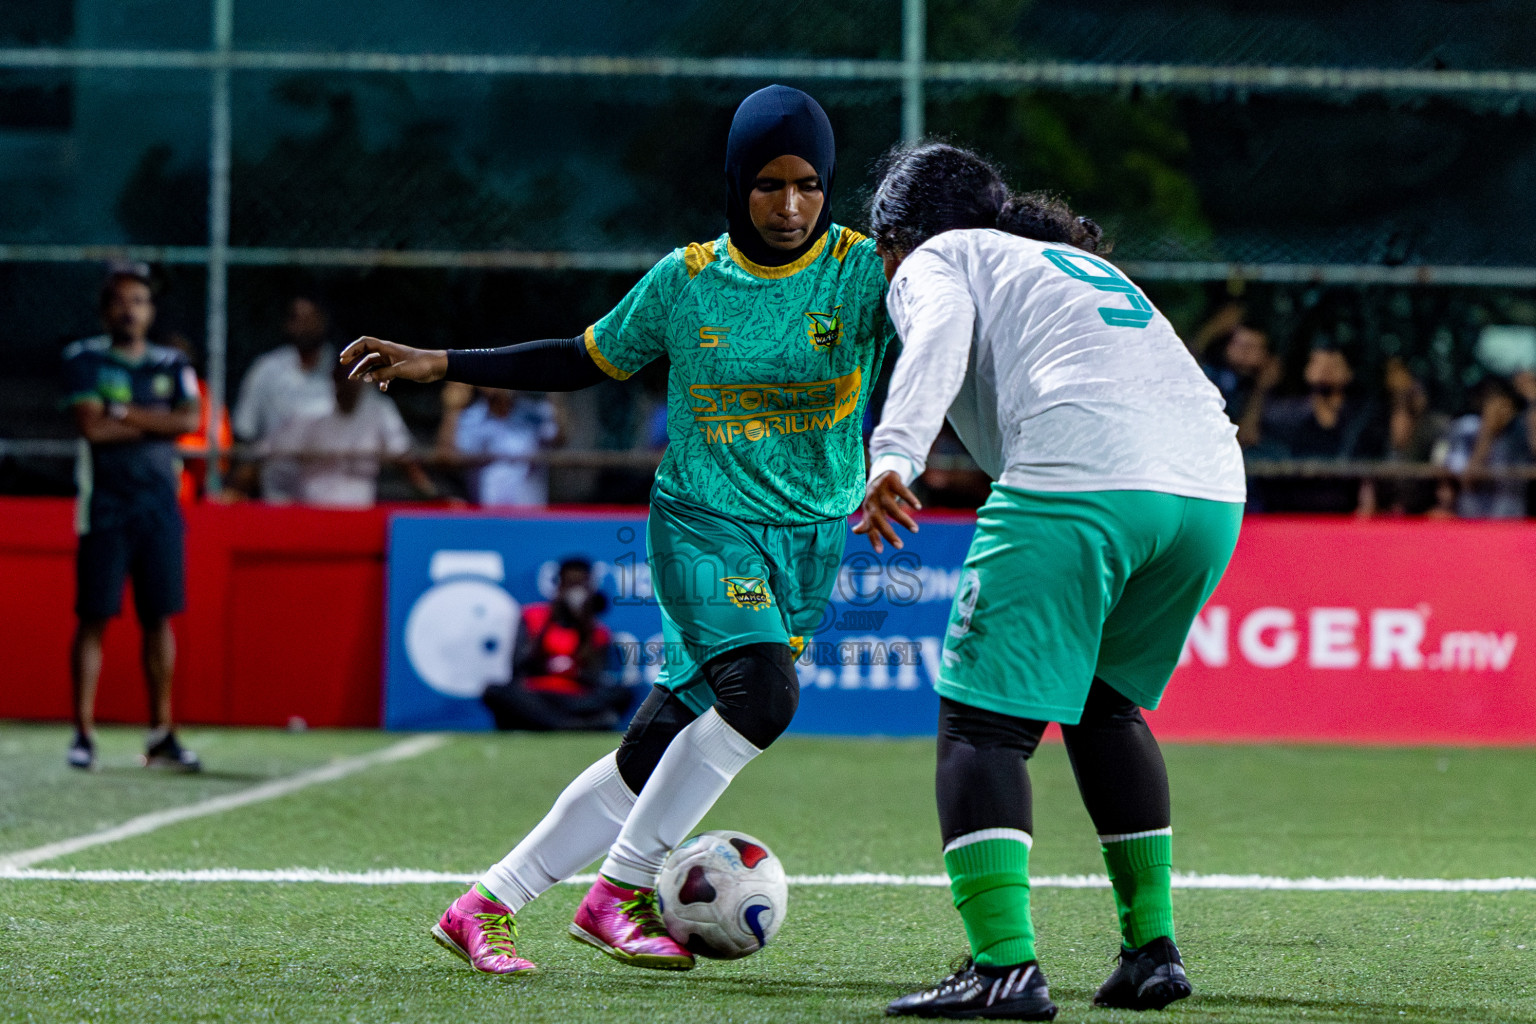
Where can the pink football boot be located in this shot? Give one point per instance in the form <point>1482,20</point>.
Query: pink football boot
<point>479,932</point>
<point>626,924</point>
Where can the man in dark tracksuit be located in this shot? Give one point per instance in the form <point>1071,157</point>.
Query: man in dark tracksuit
<point>130,400</point>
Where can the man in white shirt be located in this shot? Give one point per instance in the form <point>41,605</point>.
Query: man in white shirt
<point>1117,503</point>
<point>507,428</point>
<point>332,459</point>
<point>290,381</point>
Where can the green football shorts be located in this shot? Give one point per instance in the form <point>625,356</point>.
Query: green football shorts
<point>1061,587</point>
<point>722,583</point>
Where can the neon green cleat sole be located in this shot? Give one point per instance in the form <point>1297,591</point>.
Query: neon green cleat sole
<point>650,961</point>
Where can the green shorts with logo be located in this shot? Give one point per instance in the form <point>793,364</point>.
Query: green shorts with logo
<point>1061,587</point>
<point>722,583</point>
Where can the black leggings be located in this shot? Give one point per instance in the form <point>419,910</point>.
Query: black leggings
<point>756,692</point>
<point>982,779</point>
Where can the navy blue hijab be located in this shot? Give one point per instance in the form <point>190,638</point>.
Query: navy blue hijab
<point>770,123</point>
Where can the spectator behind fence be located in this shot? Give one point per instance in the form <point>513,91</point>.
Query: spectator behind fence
<point>498,432</point>
<point>292,380</point>
<point>333,458</point>
<point>1238,361</point>
<point>1498,436</point>
<point>1327,424</point>
<point>1413,430</point>
<point>561,663</point>
<point>130,400</point>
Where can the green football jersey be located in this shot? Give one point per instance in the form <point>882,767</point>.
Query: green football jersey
<point>771,370</point>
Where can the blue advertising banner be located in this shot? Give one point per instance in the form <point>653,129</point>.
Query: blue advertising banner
<point>457,586</point>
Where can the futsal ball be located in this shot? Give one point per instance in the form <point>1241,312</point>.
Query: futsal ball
<point>723,895</point>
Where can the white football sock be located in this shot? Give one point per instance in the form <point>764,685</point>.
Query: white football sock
<point>694,771</point>
<point>583,823</point>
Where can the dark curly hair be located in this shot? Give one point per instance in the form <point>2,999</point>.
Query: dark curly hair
<point>934,187</point>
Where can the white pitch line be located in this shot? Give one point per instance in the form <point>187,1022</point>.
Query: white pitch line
<point>339,769</point>
<point>406,876</point>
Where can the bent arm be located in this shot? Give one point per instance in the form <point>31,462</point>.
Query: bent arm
<point>162,422</point>
<point>97,427</point>
<point>554,364</point>
<point>932,308</point>
<point>524,653</point>
<point>1250,428</point>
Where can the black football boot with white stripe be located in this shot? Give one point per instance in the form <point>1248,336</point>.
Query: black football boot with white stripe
<point>1147,978</point>
<point>1014,993</point>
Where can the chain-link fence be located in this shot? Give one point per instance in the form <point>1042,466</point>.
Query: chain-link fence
<point>466,172</point>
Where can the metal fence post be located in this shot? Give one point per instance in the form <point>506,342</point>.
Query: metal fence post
<point>914,42</point>
<point>218,235</point>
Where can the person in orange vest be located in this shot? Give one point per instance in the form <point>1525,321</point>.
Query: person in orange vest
<point>560,663</point>
<point>192,445</point>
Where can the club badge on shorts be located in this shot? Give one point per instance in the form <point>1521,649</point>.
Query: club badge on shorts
<point>966,596</point>
<point>747,592</point>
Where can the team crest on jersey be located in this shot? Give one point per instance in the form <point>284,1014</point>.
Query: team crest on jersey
<point>163,385</point>
<point>114,385</point>
<point>826,330</point>
<point>747,592</point>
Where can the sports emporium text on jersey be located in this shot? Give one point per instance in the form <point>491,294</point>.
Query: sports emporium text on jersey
<point>726,413</point>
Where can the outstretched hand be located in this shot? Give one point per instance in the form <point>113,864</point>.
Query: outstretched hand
<point>883,502</point>
<point>379,362</point>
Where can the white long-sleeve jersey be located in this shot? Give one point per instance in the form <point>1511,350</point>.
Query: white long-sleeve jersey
<point>1055,370</point>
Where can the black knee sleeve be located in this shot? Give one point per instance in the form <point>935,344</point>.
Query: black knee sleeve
<point>650,732</point>
<point>982,781</point>
<point>756,690</point>
<point>1118,764</point>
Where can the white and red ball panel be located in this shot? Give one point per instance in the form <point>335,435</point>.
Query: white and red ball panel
<point>723,894</point>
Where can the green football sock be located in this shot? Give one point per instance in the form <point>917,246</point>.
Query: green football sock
<point>486,893</point>
<point>1141,870</point>
<point>989,878</point>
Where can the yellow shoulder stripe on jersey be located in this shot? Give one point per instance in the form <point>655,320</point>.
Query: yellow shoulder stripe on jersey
<point>845,241</point>
<point>758,270</point>
<point>602,360</point>
<point>698,256</point>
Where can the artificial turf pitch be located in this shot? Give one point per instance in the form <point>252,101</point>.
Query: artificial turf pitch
<point>267,951</point>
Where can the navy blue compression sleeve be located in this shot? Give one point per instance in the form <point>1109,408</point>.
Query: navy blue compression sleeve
<point>554,364</point>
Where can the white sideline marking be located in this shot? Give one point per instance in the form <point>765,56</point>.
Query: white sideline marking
<point>406,876</point>
<point>340,769</point>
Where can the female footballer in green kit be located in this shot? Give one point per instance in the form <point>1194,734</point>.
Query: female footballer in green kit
<point>775,332</point>
<point>1117,497</point>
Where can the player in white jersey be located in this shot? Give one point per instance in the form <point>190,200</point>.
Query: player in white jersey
<point>1116,502</point>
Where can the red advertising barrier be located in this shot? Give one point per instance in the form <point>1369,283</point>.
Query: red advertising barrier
<point>1384,632</point>
<point>1322,630</point>
<point>285,618</point>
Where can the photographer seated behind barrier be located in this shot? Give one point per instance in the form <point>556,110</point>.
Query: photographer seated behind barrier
<point>560,663</point>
